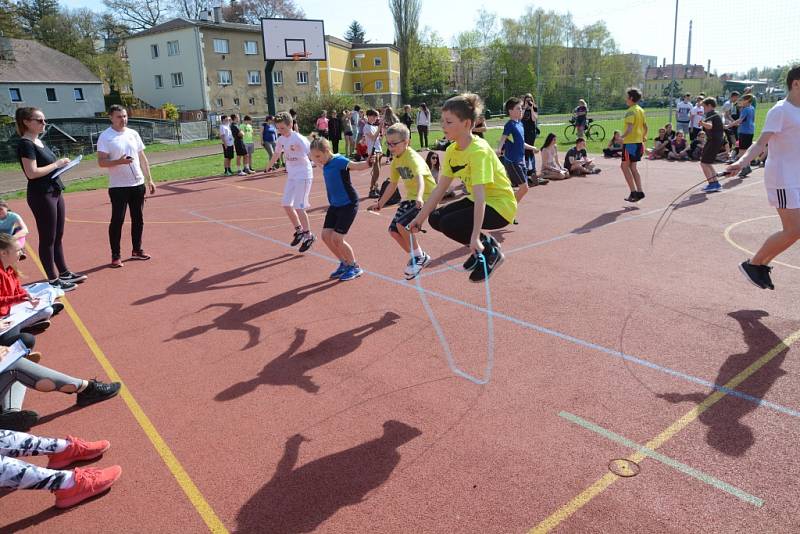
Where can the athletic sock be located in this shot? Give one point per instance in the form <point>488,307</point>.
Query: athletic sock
<point>418,252</point>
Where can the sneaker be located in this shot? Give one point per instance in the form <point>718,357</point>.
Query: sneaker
<point>34,356</point>
<point>140,255</point>
<point>744,172</point>
<point>374,193</point>
<point>57,308</point>
<point>116,263</point>
<point>62,285</point>
<point>758,275</point>
<point>531,182</point>
<point>241,173</point>
<point>77,451</point>
<point>515,222</point>
<point>88,483</point>
<point>298,236</point>
<point>249,171</point>
<point>471,263</point>
<point>97,392</point>
<point>487,264</point>
<point>21,421</point>
<point>227,173</point>
<point>308,240</point>
<point>352,272</point>
<point>596,171</point>
<point>712,187</point>
<point>416,265</point>
<point>340,271</point>
<point>36,328</point>
<point>75,278</point>
<point>633,197</point>
<point>640,195</point>
<point>542,181</point>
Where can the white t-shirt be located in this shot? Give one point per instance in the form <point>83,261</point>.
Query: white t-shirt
<point>225,134</point>
<point>683,111</point>
<point>119,144</point>
<point>295,148</point>
<point>423,119</point>
<point>370,133</point>
<point>782,170</point>
<point>697,116</point>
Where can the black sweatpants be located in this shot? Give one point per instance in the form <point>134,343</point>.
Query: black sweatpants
<point>123,198</point>
<point>49,211</point>
<point>422,130</point>
<point>455,220</point>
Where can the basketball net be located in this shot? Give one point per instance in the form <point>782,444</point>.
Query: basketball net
<point>297,56</point>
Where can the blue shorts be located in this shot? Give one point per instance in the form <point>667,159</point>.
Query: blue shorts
<point>516,171</point>
<point>632,152</point>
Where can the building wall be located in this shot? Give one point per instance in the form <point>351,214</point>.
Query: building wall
<point>379,83</point>
<point>144,68</point>
<point>711,86</point>
<point>35,94</point>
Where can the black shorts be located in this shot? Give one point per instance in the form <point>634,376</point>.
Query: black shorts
<point>348,134</point>
<point>632,152</point>
<point>710,152</point>
<point>239,146</point>
<point>516,172</point>
<point>406,212</point>
<point>745,141</point>
<point>340,218</point>
<point>227,152</point>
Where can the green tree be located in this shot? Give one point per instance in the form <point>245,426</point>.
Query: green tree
<point>138,15</point>
<point>31,12</point>
<point>431,70</point>
<point>406,23</point>
<point>355,33</point>
<point>673,89</point>
<point>10,19</point>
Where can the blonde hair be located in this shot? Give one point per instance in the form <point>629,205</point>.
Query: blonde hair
<point>320,144</point>
<point>399,129</point>
<point>283,117</point>
<point>466,106</point>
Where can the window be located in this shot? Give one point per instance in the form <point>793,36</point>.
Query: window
<point>252,101</point>
<point>15,94</point>
<point>254,77</point>
<point>294,99</point>
<point>378,85</point>
<point>235,101</point>
<point>357,86</point>
<point>378,62</point>
<point>355,63</point>
<point>250,48</point>
<point>173,48</point>
<point>154,51</point>
<point>280,100</point>
<point>177,79</point>
<point>302,77</point>
<point>219,102</point>
<point>78,92</point>
<point>51,94</point>
<point>221,46</point>
<point>159,81</point>
<point>224,77</point>
<point>277,77</point>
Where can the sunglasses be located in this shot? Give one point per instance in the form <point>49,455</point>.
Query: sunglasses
<point>40,121</point>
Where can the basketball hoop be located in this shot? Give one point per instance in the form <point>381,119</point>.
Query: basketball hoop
<point>297,56</point>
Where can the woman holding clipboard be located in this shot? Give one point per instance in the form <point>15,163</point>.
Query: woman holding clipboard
<point>44,196</point>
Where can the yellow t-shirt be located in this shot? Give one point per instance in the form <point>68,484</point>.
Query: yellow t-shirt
<point>635,116</point>
<point>478,164</point>
<point>408,166</point>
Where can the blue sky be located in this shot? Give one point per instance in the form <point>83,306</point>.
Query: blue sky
<point>733,34</point>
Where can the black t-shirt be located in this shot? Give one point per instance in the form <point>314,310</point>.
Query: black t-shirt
<point>238,136</point>
<point>529,125</point>
<point>44,156</point>
<point>717,131</point>
<point>406,119</point>
<point>573,155</point>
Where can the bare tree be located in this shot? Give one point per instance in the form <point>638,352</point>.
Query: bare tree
<point>252,11</point>
<point>190,9</point>
<point>138,14</point>
<point>406,24</point>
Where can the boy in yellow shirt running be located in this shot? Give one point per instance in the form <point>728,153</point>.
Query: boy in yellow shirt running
<point>633,141</point>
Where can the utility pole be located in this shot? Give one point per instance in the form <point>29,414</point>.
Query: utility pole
<point>539,58</point>
<point>674,45</point>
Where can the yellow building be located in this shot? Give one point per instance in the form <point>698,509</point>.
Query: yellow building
<point>370,71</point>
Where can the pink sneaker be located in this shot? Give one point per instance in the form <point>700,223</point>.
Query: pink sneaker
<point>88,483</point>
<point>78,451</point>
<point>116,263</point>
<point>139,255</point>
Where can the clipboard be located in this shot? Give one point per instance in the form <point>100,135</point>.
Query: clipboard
<point>67,167</point>
<point>15,352</point>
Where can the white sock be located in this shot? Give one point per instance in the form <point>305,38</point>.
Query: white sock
<point>68,481</point>
<point>418,252</point>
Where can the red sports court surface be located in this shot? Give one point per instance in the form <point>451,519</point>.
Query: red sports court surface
<point>262,397</point>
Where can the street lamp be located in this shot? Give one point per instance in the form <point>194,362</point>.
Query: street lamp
<point>504,72</point>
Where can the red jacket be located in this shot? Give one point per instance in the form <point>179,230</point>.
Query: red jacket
<point>11,291</point>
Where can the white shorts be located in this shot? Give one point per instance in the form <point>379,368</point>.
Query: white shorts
<point>784,198</point>
<point>295,194</point>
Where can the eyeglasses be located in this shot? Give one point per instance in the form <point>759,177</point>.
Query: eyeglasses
<point>395,144</point>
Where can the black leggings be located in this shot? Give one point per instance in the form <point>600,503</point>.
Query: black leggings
<point>423,135</point>
<point>121,199</point>
<point>455,220</point>
<point>335,145</point>
<point>49,211</point>
<point>10,337</point>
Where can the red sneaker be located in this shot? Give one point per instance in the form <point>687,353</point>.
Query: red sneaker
<point>116,263</point>
<point>77,451</point>
<point>88,483</point>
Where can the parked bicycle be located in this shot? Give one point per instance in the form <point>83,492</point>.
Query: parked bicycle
<point>593,132</point>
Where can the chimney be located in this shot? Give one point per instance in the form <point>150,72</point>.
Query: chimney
<point>689,50</point>
<point>708,69</point>
<point>6,49</point>
<point>664,63</point>
<point>218,15</point>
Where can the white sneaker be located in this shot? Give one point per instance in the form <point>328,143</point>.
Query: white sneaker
<point>242,173</point>
<point>416,265</point>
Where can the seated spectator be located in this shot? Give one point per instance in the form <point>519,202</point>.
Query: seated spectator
<point>669,131</point>
<point>679,148</point>
<point>577,162</point>
<point>70,487</point>
<point>12,224</point>
<point>661,145</point>
<point>362,151</point>
<point>614,148</point>
<point>551,166</point>
<point>696,147</point>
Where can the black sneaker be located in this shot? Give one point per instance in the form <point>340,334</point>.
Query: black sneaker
<point>36,328</point>
<point>758,275</point>
<point>97,392</point>
<point>542,181</point>
<point>308,240</point>
<point>471,263</point>
<point>63,285</point>
<point>633,197</point>
<point>73,278</point>
<point>492,260</point>
<point>298,236</point>
<point>744,172</point>
<point>640,194</point>
<point>57,308</point>
<point>21,421</point>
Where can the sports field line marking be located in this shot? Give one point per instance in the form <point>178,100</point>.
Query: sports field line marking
<point>185,482</point>
<point>666,460</point>
<point>729,239</point>
<point>541,329</point>
<point>608,479</point>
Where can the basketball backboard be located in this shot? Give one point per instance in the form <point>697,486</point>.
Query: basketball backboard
<point>294,39</point>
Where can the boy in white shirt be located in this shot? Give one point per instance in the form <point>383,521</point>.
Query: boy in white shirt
<point>781,178</point>
<point>697,115</point>
<point>121,151</point>
<point>226,136</point>
<point>295,149</point>
<point>372,135</point>
<point>683,114</point>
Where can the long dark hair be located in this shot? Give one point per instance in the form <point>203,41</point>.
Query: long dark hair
<point>429,158</point>
<point>549,140</point>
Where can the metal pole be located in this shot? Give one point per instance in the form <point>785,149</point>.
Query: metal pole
<point>270,88</point>
<point>672,83</point>
<point>539,58</point>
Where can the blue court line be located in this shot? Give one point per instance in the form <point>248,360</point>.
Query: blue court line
<point>666,460</point>
<point>531,326</point>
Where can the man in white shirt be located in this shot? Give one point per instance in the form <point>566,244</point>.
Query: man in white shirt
<point>121,151</point>
<point>226,136</point>
<point>683,113</point>
<point>781,179</point>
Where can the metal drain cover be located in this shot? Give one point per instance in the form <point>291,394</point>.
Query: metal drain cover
<point>624,468</point>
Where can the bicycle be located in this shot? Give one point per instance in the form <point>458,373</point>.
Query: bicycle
<point>593,131</point>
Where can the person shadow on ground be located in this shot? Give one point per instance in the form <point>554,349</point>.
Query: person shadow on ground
<point>237,317</point>
<point>602,220</point>
<point>186,286</point>
<point>300,499</point>
<point>726,432</point>
<point>290,368</point>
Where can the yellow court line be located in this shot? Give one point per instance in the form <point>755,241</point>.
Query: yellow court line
<point>181,476</point>
<point>608,479</point>
<point>729,239</point>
